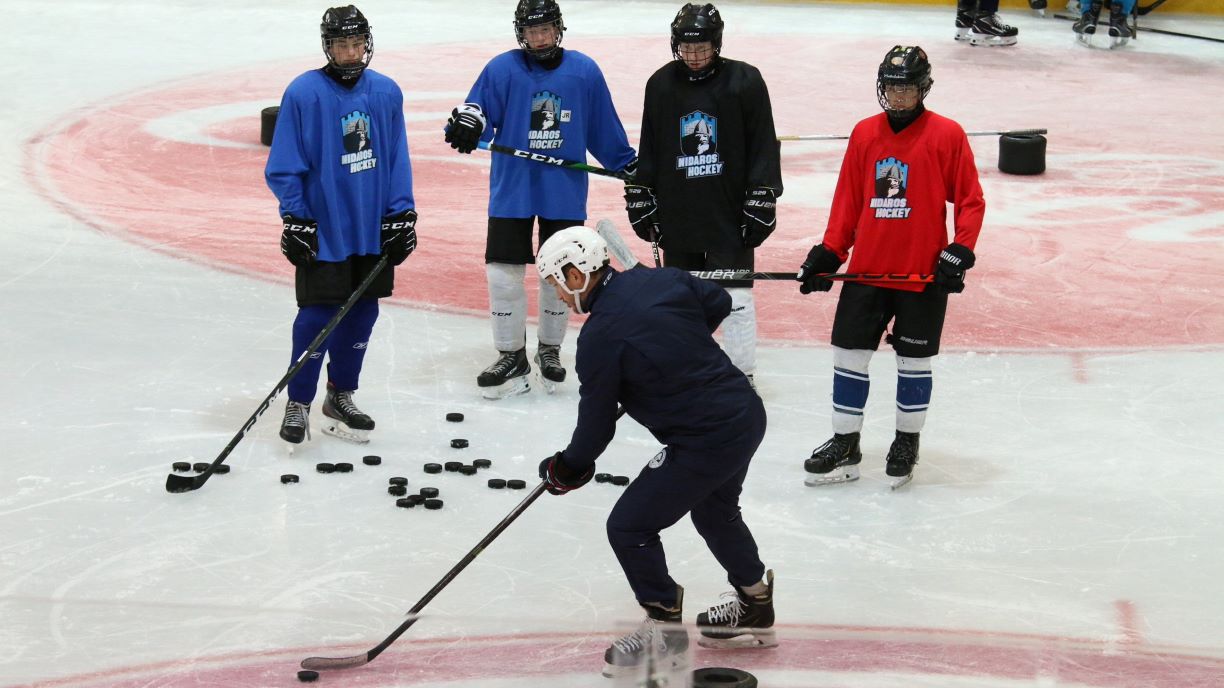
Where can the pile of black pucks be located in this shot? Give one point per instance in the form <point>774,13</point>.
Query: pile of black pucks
<point>426,495</point>
<point>198,467</point>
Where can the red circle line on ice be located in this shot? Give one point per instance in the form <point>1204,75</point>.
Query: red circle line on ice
<point>1065,262</point>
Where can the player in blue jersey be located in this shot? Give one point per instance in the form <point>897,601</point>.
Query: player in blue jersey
<point>339,168</point>
<point>648,346</point>
<point>540,98</point>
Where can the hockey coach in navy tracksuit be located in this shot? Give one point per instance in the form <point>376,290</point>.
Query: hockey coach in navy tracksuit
<point>647,345</point>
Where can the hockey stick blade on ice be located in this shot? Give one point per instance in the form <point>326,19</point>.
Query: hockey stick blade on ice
<point>843,137</point>
<point>550,160</point>
<point>184,483</point>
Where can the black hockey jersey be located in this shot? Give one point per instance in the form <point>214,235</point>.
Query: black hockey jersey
<point>704,144</point>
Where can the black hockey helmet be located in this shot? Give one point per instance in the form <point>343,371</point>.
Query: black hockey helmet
<point>537,13</point>
<point>346,22</point>
<point>697,24</point>
<point>904,65</point>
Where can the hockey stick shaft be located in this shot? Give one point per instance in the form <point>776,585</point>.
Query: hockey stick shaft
<point>549,160</point>
<point>183,483</point>
<point>318,663</point>
<point>842,137</point>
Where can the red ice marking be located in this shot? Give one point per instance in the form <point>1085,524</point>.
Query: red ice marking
<point>1113,247</point>
<point>922,653</point>
<point>1128,622</point>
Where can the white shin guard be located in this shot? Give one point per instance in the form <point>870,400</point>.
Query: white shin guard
<point>507,305</point>
<point>554,316</point>
<point>740,331</point>
<point>913,392</point>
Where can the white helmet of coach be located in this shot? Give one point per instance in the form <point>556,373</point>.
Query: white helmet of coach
<point>578,246</point>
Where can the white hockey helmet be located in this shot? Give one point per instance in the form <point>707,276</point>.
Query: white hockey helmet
<point>578,246</point>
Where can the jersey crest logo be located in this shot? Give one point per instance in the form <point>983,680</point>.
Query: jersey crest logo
<point>546,118</point>
<point>699,146</point>
<point>658,459</point>
<point>891,183</point>
<point>358,153</point>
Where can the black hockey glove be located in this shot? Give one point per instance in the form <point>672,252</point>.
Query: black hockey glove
<point>559,478</point>
<point>300,240</point>
<point>399,236</point>
<point>463,129</point>
<point>641,206</point>
<point>760,216</point>
<point>950,272</point>
<point>820,261</point>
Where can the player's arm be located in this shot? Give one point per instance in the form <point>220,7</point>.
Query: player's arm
<point>605,135</point>
<point>599,379</point>
<point>715,301</point>
<point>285,173</point>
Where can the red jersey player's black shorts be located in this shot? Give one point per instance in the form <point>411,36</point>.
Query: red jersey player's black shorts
<point>864,311</point>
<point>509,238</point>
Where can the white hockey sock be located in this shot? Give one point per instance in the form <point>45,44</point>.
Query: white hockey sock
<point>554,316</point>
<point>740,330</point>
<point>507,305</point>
<point>914,383</point>
<point>851,385</point>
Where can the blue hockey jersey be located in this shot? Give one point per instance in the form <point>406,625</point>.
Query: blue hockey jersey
<point>562,112</point>
<point>340,157</point>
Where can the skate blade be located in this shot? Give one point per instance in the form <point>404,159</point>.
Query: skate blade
<point>992,41</point>
<point>676,661</point>
<point>341,431</point>
<point>751,639</point>
<point>898,483</point>
<point>962,35</point>
<point>548,385</point>
<point>510,388</point>
<point>837,476</point>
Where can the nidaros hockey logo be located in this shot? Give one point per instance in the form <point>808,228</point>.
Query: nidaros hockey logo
<point>699,145</point>
<point>546,118</point>
<point>891,181</point>
<point>358,154</point>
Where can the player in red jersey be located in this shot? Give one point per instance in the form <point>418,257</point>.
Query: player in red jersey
<point>901,169</point>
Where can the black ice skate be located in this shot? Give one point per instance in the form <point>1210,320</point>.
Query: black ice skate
<point>1085,27</point>
<point>743,621</point>
<point>661,643</point>
<point>296,425</point>
<point>835,461</point>
<point>506,377</point>
<point>1038,7</point>
<point>548,364</point>
<point>902,456</point>
<point>1119,32</point>
<point>964,18</point>
<point>988,30</point>
<point>343,419</point>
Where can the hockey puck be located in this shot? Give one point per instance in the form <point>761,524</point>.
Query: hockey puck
<point>267,127</point>
<point>222,469</point>
<point>415,499</point>
<point>288,478</point>
<point>200,467</point>
<point>433,504</point>
<point>325,468</point>
<point>344,467</point>
<point>467,470</point>
<point>621,480</point>
<point>459,443</point>
<point>722,677</point>
<point>405,502</point>
<point>429,492</point>
<point>433,468</point>
<point>482,463</point>
<point>603,477</point>
<point>308,676</point>
<point>452,466</point>
<point>371,460</point>
<point>516,484</point>
<point>497,483</point>
<point>1022,153</point>
<point>397,481</point>
<point>397,490</point>
<point>454,417</point>
<point>181,466</point>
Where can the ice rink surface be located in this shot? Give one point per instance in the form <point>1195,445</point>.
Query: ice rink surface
<point>1062,529</point>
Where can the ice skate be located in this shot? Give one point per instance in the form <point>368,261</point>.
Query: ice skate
<point>507,376</point>
<point>902,456</point>
<point>988,30</point>
<point>548,365</point>
<point>295,427</point>
<point>835,461</point>
<point>1038,7</point>
<point>661,643</point>
<point>343,419</point>
<point>1119,33</point>
<point>744,620</point>
<point>964,21</point>
<point>1085,27</point>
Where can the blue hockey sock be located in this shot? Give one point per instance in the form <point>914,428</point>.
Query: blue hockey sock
<point>347,345</point>
<point>851,385</point>
<point>309,322</point>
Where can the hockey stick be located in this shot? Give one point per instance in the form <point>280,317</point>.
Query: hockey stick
<point>549,160</point>
<point>182,483</point>
<point>1160,31</point>
<point>1141,10</point>
<point>623,255</point>
<point>654,245</point>
<point>318,663</point>
<point>842,137</point>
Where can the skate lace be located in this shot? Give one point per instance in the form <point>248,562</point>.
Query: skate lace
<point>835,448</point>
<point>728,613</point>
<point>550,356</point>
<point>639,639</point>
<point>503,364</point>
<point>994,21</point>
<point>903,449</point>
<point>295,414</point>
<point>344,402</point>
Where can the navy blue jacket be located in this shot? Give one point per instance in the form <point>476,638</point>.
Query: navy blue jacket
<point>648,346</point>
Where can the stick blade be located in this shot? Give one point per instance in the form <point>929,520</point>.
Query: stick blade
<point>616,245</point>
<point>182,483</point>
<point>325,663</point>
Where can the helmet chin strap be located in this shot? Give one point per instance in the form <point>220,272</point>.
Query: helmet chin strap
<point>586,281</point>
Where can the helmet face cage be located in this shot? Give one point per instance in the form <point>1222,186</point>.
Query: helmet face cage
<point>538,13</point>
<point>343,23</point>
<point>578,247</point>
<point>904,66</point>
<point>697,24</point>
